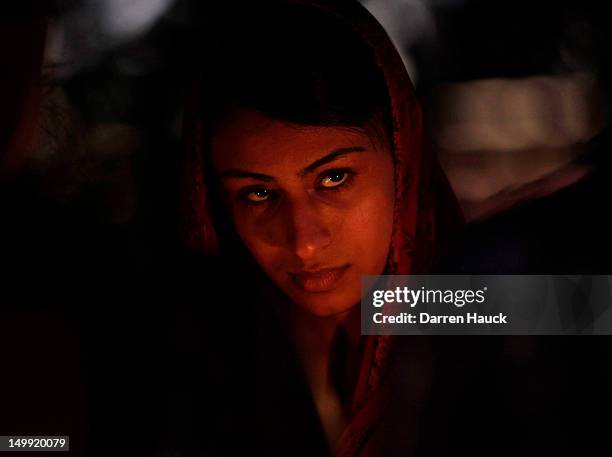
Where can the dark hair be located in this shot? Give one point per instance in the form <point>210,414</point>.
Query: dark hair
<point>292,63</point>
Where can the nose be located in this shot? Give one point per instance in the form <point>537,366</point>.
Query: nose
<point>308,233</point>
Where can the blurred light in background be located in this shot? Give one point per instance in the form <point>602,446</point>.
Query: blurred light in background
<point>126,19</point>
<point>83,36</point>
<point>409,23</point>
<point>516,114</point>
<point>512,90</point>
<point>406,22</point>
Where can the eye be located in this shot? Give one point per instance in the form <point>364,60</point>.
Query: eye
<point>334,178</point>
<point>257,195</point>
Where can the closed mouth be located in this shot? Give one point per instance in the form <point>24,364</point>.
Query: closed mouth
<point>318,281</point>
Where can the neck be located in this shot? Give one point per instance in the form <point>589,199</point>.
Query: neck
<point>322,337</point>
<point>328,349</point>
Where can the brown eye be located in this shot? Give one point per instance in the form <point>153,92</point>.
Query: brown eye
<point>258,196</point>
<point>334,178</point>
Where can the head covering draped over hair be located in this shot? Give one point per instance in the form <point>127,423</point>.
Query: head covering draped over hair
<point>426,213</point>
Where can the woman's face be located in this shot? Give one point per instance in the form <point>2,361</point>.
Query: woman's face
<point>314,205</point>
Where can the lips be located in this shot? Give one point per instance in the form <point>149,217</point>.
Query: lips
<point>322,280</point>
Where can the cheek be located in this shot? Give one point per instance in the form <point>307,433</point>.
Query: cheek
<point>253,235</point>
<point>367,230</point>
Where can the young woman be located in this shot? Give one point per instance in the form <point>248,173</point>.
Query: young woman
<point>306,171</point>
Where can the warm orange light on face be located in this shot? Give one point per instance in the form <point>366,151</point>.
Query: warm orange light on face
<point>314,205</point>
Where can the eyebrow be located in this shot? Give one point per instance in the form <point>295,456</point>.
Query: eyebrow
<point>335,154</point>
<point>234,173</point>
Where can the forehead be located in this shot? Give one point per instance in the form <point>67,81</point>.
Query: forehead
<point>253,141</point>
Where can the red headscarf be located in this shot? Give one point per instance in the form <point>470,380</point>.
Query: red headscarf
<point>426,213</point>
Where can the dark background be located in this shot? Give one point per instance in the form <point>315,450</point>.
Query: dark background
<point>101,315</point>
